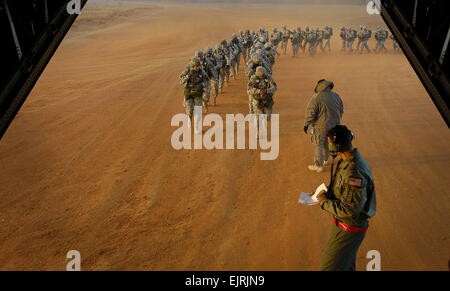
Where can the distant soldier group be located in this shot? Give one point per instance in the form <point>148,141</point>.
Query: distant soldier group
<point>349,35</point>
<point>301,39</point>
<point>209,70</point>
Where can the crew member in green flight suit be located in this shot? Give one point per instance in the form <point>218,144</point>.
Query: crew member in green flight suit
<point>350,199</point>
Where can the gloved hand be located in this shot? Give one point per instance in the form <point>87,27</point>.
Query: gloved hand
<point>305,129</point>
<point>322,197</point>
<point>263,94</point>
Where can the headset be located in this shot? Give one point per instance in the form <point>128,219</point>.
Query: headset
<point>336,145</point>
<point>339,138</point>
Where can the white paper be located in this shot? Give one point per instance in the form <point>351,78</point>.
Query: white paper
<point>311,200</point>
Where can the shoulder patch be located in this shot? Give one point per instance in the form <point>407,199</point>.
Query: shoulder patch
<point>354,182</point>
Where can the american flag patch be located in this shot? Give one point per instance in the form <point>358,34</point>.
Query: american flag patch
<point>354,182</point>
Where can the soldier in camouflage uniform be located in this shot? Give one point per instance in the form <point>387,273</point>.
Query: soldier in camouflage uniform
<point>367,33</point>
<point>286,34</point>
<point>275,38</point>
<point>265,59</point>
<point>235,57</point>
<point>220,55</point>
<point>217,65</point>
<point>194,80</point>
<point>343,35</point>
<point>248,41</point>
<point>350,198</point>
<point>350,38</point>
<point>324,111</point>
<point>295,41</point>
<point>302,37</point>
<point>312,40</point>
<point>271,53</point>
<point>229,59</point>
<point>380,36</point>
<point>241,39</point>
<point>394,43</point>
<point>208,68</point>
<point>240,51</point>
<point>263,33</point>
<point>250,70</point>
<point>261,87</point>
<point>360,36</point>
<point>319,42</point>
<point>328,32</point>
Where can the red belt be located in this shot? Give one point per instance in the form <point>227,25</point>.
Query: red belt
<point>349,228</point>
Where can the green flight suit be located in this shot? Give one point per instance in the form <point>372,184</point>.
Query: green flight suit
<point>351,199</point>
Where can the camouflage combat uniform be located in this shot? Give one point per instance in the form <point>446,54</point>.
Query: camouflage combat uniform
<point>220,55</point>
<point>328,32</point>
<point>394,43</point>
<point>367,33</point>
<point>217,65</point>
<point>312,40</point>
<point>261,91</point>
<point>295,41</point>
<point>194,84</point>
<point>381,35</point>
<point>350,38</point>
<point>343,35</point>
<point>286,34</point>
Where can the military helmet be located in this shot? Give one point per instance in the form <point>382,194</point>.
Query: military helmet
<point>234,35</point>
<point>262,29</point>
<point>267,46</point>
<point>284,26</point>
<point>260,72</point>
<point>256,58</point>
<point>342,28</point>
<point>247,31</point>
<point>223,42</point>
<point>241,31</point>
<point>261,39</point>
<point>199,53</point>
<point>208,50</point>
<point>253,31</point>
<point>275,29</point>
<point>307,28</point>
<point>194,62</point>
<point>299,29</point>
<point>229,43</point>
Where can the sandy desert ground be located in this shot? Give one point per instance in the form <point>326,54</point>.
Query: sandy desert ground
<point>88,164</point>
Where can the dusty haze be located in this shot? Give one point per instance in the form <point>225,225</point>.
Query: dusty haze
<point>88,165</point>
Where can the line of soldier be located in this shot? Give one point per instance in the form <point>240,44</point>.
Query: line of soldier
<point>349,35</point>
<point>300,39</point>
<point>207,72</point>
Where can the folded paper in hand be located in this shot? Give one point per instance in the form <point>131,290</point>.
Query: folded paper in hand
<point>311,200</point>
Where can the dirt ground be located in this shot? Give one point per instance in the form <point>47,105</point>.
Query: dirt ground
<point>88,164</point>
